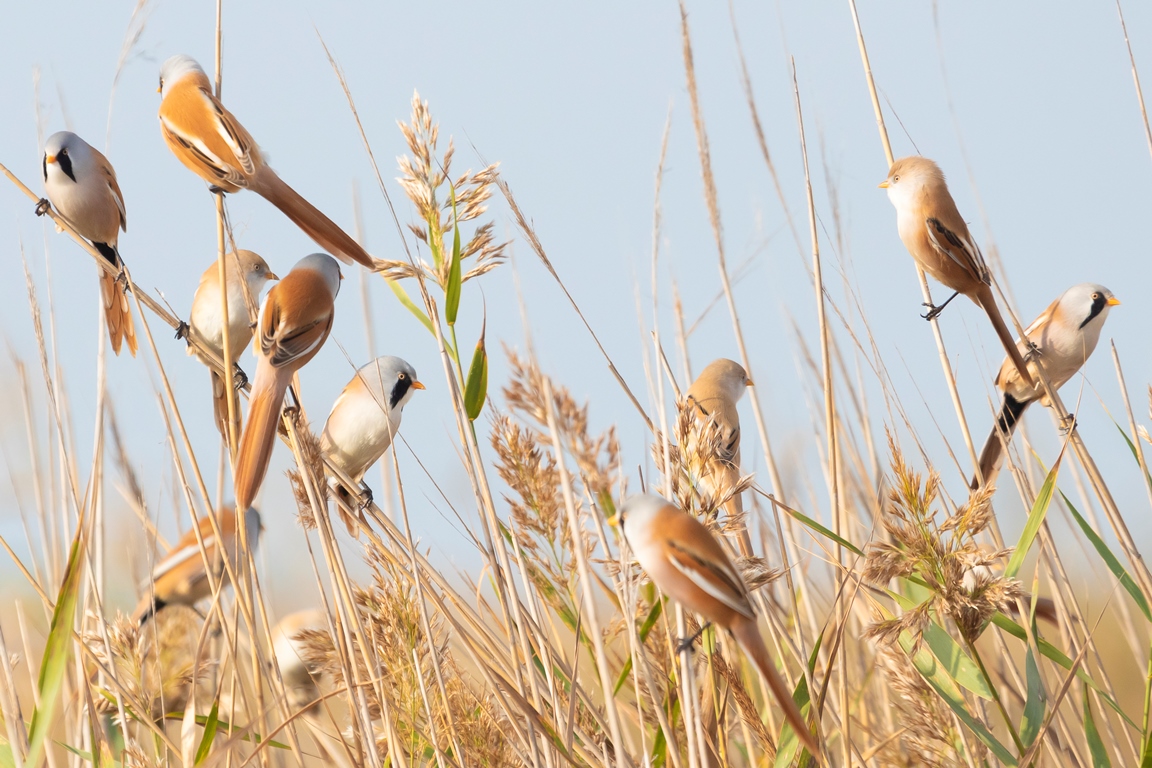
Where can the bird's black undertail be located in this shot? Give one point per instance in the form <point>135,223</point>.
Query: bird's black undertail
<point>109,252</point>
<point>1006,422</point>
<point>152,610</point>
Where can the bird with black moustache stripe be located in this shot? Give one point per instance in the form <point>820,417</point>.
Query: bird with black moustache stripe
<point>82,187</point>
<point>363,422</point>
<point>210,142</point>
<point>1061,339</point>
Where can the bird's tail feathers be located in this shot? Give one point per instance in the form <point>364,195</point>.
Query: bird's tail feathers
<point>748,635</point>
<point>259,431</point>
<point>327,234</point>
<point>148,607</point>
<point>993,452</point>
<point>117,314</point>
<point>220,403</point>
<point>988,302</point>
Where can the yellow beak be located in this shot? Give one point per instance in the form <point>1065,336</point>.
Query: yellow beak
<point>748,383</point>
<point>417,385</point>
<point>1112,301</point>
<point>883,184</point>
<point>614,521</point>
<point>50,159</point>
<point>273,276</point>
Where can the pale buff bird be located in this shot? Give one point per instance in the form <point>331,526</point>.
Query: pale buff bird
<point>938,239</point>
<point>82,187</point>
<point>363,422</point>
<point>295,319</point>
<point>209,141</point>
<point>1061,339</point>
<point>688,564</point>
<point>244,269</point>
<point>180,577</point>
<point>713,396</point>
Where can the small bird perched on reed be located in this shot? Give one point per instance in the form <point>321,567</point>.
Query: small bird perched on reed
<point>1061,339</point>
<point>688,564</point>
<point>713,396</point>
<point>363,421</point>
<point>180,578</point>
<point>245,274</point>
<point>938,239</point>
<point>295,320</point>
<point>213,144</point>
<point>81,185</point>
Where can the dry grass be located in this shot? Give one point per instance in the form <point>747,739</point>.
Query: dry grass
<point>912,637</point>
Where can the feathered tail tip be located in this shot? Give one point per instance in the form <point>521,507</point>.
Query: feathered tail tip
<point>993,452</point>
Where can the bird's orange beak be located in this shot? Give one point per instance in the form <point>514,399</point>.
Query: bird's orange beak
<point>272,275</point>
<point>883,184</point>
<point>1112,301</point>
<point>748,383</point>
<point>418,385</point>
<point>614,521</point>
<point>50,159</point>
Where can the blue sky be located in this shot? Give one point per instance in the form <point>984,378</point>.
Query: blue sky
<point>1043,145</point>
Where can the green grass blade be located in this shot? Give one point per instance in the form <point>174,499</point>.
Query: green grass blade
<point>1052,653</point>
<point>56,649</point>
<point>410,305</point>
<point>815,526</point>
<point>1095,743</point>
<point>1035,705</point>
<point>649,622</point>
<point>1110,560</point>
<point>476,388</point>
<point>1035,519</point>
<point>452,292</point>
<point>789,743</point>
<point>950,655</point>
<point>209,734</point>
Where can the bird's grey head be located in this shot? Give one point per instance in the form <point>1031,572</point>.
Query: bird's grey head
<point>638,510</point>
<point>1088,304</point>
<point>327,266</point>
<point>176,67</point>
<point>65,156</point>
<point>393,379</point>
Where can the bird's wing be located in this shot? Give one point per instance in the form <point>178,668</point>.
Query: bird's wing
<point>694,551</point>
<point>961,248</point>
<point>113,186</point>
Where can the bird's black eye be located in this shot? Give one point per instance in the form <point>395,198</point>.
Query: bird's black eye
<point>64,151</point>
<point>1095,297</point>
<point>895,179</point>
<point>402,376</point>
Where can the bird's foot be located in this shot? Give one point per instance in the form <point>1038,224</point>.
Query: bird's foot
<point>1032,350</point>
<point>239,378</point>
<point>122,279</point>
<point>183,331</point>
<point>933,311</point>
<point>366,497</point>
<point>686,643</point>
<point>215,189</point>
<point>43,206</point>
<point>1067,424</point>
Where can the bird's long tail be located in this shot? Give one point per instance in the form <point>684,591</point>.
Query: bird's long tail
<point>259,431</point>
<point>748,635</point>
<point>220,403</point>
<point>988,302</point>
<point>327,234</point>
<point>993,450</point>
<point>117,311</point>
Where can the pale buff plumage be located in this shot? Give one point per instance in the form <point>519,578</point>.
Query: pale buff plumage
<point>688,564</point>
<point>1061,339</point>
<point>713,396</point>
<point>82,187</point>
<point>295,320</point>
<point>210,142</point>
<point>301,679</point>
<point>937,236</point>
<point>246,274</point>
<point>180,578</point>
<point>363,422</point>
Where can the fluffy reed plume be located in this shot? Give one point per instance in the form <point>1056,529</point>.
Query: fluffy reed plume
<point>423,175</point>
<point>390,615</point>
<point>314,460</point>
<point>958,572</point>
<point>154,664</point>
